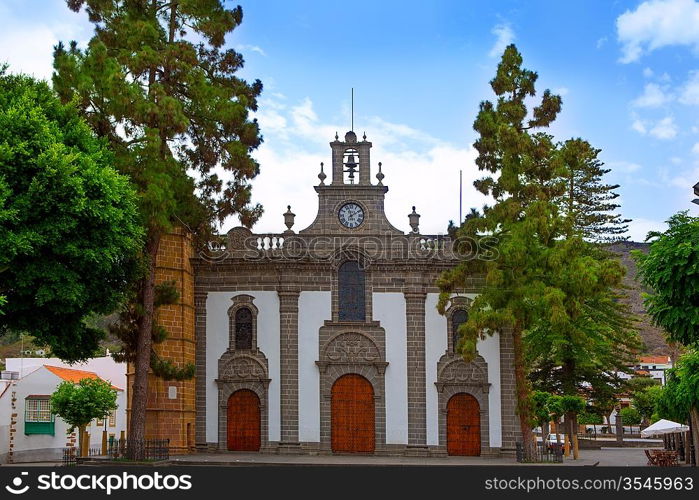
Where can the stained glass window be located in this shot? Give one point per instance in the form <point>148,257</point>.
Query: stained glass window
<point>459,317</point>
<point>243,328</point>
<point>351,297</point>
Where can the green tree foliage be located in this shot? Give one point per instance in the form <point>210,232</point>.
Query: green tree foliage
<point>589,416</point>
<point>679,399</point>
<point>81,403</point>
<point>69,229</point>
<point>523,219</point>
<point>156,81</point>
<point>548,287</point>
<point>645,401</point>
<point>671,270</point>
<point>630,416</point>
<point>587,200</point>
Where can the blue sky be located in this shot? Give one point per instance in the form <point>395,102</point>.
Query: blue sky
<point>628,72</point>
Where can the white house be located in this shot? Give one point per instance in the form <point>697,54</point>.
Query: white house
<point>28,430</point>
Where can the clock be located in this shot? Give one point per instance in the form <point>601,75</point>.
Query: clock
<point>351,215</point>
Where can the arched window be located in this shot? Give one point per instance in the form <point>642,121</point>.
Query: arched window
<point>243,328</point>
<point>459,317</point>
<point>351,292</point>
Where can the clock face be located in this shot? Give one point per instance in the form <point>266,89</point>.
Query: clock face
<point>351,215</point>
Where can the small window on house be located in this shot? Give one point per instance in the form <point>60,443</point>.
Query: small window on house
<point>38,418</point>
<point>100,422</point>
<point>459,317</point>
<point>112,419</point>
<point>243,328</point>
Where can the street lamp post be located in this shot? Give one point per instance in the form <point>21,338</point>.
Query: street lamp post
<point>696,192</point>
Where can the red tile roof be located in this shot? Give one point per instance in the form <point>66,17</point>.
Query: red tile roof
<point>73,375</point>
<point>654,360</point>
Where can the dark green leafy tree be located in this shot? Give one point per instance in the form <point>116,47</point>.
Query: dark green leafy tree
<point>572,406</point>
<point>81,403</point>
<point>645,402</point>
<point>547,282</point>
<point>671,270</point>
<point>156,81</point>
<point>679,399</point>
<point>630,416</point>
<point>588,200</point>
<point>524,219</point>
<point>69,232</point>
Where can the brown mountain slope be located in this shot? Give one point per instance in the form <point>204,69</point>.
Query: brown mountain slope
<point>651,335</point>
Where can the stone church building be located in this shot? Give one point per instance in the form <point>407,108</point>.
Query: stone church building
<point>327,339</point>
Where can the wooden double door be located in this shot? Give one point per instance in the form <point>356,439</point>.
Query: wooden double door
<point>352,419</point>
<point>244,422</point>
<point>463,425</point>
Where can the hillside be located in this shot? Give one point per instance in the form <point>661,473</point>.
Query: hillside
<point>652,336</point>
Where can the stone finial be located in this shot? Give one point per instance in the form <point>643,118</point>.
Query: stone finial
<point>364,136</point>
<point>322,175</point>
<point>289,218</point>
<point>336,136</point>
<point>380,175</point>
<point>414,219</point>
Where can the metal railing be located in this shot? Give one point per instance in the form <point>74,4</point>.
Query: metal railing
<point>551,453</point>
<point>154,449</point>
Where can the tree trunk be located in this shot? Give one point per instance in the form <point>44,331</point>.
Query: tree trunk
<point>139,397</point>
<point>81,440</point>
<point>522,387</point>
<point>694,418</point>
<point>574,435</point>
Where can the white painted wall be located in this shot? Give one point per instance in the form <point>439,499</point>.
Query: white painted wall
<point>435,347</point>
<point>389,309</point>
<point>314,309</point>
<point>105,367</point>
<point>490,350</point>
<point>44,447</point>
<point>268,337</point>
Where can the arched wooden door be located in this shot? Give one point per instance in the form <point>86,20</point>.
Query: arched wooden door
<point>463,426</point>
<point>352,415</point>
<point>244,421</point>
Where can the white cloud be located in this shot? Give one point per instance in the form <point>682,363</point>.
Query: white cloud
<point>652,97</point>
<point>639,126</point>
<point>561,91</point>
<point>695,148</point>
<point>420,170</point>
<point>505,36</point>
<point>639,228</point>
<point>601,42</point>
<point>28,46</point>
<point>690,90</point>
<point>647,72</point>
<point>655,24</point>
<point>624,166</point>
<point>664,129</point>
<point>251,48</point>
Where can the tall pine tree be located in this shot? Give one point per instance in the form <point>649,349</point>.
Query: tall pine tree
<point>546,282</point>
<point>588,201</point>
<point>169,105</point>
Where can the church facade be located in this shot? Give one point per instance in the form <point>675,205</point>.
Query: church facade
<point>328,340</point>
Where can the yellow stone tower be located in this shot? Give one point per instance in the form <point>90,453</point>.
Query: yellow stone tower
<point>171,404</point>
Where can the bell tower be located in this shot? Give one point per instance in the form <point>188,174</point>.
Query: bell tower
<point>350,160</point>
<point>350,204</point>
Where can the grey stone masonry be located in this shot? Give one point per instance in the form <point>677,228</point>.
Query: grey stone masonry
<point>289,368</point>
<point>415,322</point>
<point>508,393</point>
<point>200,356</point>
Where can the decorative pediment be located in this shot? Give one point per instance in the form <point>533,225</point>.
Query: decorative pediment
<point>237,367</point>
<point>453,370</point>
<point>351,348</point>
